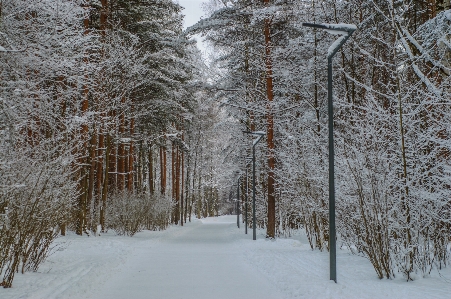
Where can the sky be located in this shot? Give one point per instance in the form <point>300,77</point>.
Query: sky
<point>193,13</point>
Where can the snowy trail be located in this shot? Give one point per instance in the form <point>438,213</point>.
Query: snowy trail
<point>210,258</point>
<point>198,262</point>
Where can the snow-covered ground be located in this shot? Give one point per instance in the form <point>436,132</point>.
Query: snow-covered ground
<point>209,258</point>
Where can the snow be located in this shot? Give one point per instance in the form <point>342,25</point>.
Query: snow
<point>209,258</point>
<point>448,14</point>
<point>335,45</point>
<point>256,140</point>
<point>346,27</point>
<point>336,32</point>
<point>340,29</point>
<point>259,133</point>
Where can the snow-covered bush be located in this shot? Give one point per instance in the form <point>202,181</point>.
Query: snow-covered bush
<point>130,213</point>
<point>36,197</point>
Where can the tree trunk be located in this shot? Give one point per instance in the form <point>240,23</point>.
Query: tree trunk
<point>186,187</point>
<point>84,135</point>
<point>271,225</point>
<point>131,157</point>
<point>99,171</point>
<point>92,158</point>
<point>181,171</point>
<point>106,181</point>
<point>139,168</point>
<point>120,166</point>
<point>174,212</point>
<point>121,152</point>
<point>112,174</point>
<point>192,198</point>
<point>151,179</point>
<point>163,170</point>
<point>100,190</point>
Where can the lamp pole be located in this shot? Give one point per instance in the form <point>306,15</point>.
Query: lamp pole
<point>245,196</point>
<point>345,30</point>
<point>245,204</point>
<point>259,135</point>
<point>238,203</point>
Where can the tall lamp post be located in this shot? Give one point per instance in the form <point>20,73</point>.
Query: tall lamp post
<point>238,202</point>
<point>345,30</point>
<point>245,196</point>
<point>259,135</point>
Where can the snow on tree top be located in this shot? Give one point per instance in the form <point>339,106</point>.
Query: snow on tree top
<point>448,14</point>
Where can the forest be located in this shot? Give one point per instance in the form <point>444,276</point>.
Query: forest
<point>112,119</point>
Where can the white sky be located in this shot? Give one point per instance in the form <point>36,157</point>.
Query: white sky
<point>193,11</point>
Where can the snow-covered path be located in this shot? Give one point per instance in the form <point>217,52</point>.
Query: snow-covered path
<point>210,258</point>
<point>197,262</point>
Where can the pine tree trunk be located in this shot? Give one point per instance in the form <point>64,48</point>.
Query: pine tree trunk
<point>121,151</point>
<point>186,187</point>
<point>112,174</point>
<point>192,197</point>
<point>271,225</point>
<point>180,183</point>
<point>139,168</point>
<point>99,171</point>
<point>120,166</point>
<point>174,212</point>
<point>101,174</point>
<point>163,170</point>
<point>151,179</point>
<point>106,181</point>
<point>126,153</point>
<point>92,158</point>
<point>130,156</point>
<point>84,135</point>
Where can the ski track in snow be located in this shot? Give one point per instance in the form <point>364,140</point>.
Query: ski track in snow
<point>209,258</point>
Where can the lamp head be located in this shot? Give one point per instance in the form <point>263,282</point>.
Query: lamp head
<point>344,29</point>
<point>258,133</point>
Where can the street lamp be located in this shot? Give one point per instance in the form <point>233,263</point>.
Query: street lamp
<point>248,160</point>
<point>238,203</point>
<point>345,30</point>
<point>259,135</point>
